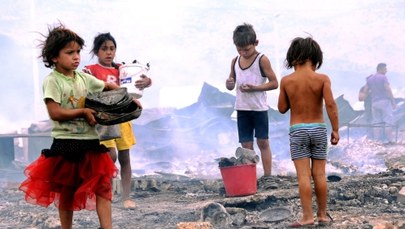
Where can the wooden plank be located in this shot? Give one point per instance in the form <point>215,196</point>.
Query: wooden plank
<point>25,135</point>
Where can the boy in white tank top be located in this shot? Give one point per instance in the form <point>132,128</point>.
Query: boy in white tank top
<point>251,74</point>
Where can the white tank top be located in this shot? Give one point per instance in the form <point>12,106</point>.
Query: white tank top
<point>250,101</point>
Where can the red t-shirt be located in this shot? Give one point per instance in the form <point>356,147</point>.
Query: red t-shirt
<point>106,74</point>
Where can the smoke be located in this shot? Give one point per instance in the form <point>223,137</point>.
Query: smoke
<point>188,44</point>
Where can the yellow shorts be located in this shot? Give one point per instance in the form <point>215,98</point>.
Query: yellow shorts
<point>126,141</point>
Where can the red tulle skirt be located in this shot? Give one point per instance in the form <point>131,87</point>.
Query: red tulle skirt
<point>69,185</point>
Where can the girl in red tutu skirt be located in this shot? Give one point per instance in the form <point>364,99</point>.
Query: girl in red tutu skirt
<point>76,171</point>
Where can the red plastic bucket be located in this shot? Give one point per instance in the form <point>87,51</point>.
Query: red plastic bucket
<point>239,180</point>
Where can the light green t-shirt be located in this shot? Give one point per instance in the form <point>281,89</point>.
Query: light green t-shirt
<point>67,91</point>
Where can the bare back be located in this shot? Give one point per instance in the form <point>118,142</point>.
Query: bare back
<point>303,92</point>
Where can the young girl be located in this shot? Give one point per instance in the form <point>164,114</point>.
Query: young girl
<point>104,47</point>
<point>76,172</point>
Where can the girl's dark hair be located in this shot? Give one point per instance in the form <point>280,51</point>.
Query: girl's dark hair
<point>302,50</point>
<point>99,41</point>
<point>244,35</point>
<point>58,37</point>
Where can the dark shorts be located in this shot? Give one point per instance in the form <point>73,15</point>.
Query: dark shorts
<point>308,140</point>
<point>252,122</point>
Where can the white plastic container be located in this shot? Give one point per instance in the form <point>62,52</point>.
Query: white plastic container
<point>129,73</point>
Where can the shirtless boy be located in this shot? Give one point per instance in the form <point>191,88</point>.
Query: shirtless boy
<point>304,93</point>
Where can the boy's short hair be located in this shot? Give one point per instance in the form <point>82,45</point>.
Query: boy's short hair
<point>302,50</point>
<point>244,35</point>
<point>58,37</point>
<point>381,66</point>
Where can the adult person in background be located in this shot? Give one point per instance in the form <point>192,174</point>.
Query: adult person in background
<point>104,47</point>
<point>368,116</point>
<point>382,103</point>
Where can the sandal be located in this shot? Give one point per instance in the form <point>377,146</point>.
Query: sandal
<point>129,204</point>
<point>297,224</point>
<point>267,182</point>
<point>326,223</point>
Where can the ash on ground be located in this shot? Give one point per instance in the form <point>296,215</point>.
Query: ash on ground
<point>165,200</point>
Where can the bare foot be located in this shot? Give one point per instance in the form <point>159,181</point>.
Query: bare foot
<point>129,204</point>
<point>297,224</point>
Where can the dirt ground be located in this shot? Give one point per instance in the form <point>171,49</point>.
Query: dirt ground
<point>359,199</point>
<point>165,200</point>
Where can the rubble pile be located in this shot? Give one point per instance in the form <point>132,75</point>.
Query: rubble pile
<point>243,157</point>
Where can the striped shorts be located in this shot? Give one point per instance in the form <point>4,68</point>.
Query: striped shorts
<point>308,140</point>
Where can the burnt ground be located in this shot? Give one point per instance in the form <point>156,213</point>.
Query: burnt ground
<point>166,199</point>
<point>367,201</point>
